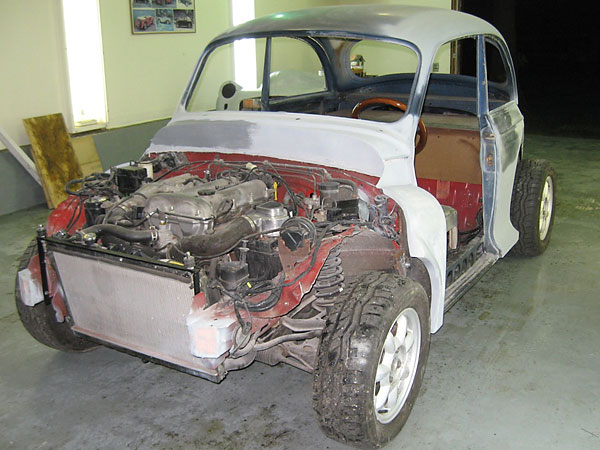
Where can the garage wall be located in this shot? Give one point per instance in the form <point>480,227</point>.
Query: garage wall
<point>32,79</point>
<point>264,7</point>
<point>145,76</point>
<point>31,84</point>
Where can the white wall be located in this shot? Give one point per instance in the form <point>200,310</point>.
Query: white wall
<point>264,7</point>
<point>32,61</point>
<point>145,74</point>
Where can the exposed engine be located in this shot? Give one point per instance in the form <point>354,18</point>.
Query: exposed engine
<point>230,219</point>
<point>175,209</point>
<point>244,243</point>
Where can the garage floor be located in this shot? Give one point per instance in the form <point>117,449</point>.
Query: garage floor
<point>516,365</point>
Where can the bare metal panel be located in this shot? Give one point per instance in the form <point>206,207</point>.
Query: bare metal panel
<point>141,311</point>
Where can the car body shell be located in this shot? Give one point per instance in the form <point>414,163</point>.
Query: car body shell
<point>382,150</point>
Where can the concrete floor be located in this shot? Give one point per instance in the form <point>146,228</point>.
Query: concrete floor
<point>516,365</point>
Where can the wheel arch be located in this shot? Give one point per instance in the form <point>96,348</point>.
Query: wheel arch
<point>426,239</point>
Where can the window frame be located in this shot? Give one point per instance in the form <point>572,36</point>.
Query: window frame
<point>315,40</point>
<point>510,84</point>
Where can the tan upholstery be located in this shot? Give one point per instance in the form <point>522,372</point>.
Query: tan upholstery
<point>450,155</point>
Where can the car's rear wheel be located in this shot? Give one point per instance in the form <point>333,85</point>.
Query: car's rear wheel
<point>372,359</point>
<point>40,320</point>
<point>532,207</point>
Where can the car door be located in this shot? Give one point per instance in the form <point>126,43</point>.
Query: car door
<point>501,128</point>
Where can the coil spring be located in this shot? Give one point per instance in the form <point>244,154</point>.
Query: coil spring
<point>331,278</point>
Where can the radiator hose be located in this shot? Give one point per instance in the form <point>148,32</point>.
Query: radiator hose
<point>223,240</point>
<point>121,232</point>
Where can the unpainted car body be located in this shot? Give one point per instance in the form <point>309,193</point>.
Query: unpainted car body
<point>385,151</point>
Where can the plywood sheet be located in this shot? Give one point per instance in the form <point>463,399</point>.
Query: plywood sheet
<point>53,154</point>
<point>87,156</point>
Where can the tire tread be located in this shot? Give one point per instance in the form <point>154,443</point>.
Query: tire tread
<point>524,211</point>
<point>341,379</point>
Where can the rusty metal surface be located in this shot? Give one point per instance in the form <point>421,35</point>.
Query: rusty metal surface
<point>367,251</point>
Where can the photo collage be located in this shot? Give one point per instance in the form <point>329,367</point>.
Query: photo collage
<point>163,16</point>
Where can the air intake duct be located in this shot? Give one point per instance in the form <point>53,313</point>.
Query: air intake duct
<point>223,240</point>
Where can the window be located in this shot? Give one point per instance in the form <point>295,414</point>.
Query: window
<point>223,85</point>
<point>85,63</point>
<point>295,69</point>
<point>377,58</point>
<point>452,88</point>
<point>496,71</point>
<point>500,83</point>
<point>244,50</point>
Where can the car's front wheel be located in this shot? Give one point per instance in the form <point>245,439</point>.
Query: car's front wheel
<point>372,359</point>
<point>40,320</point>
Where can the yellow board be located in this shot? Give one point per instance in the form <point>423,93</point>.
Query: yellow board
<point>53,154</point>
<point>85,151</point>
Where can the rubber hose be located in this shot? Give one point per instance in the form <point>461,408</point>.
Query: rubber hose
<point>350,183</point>
<point>121,232</point>
<point>267,303</point>
<point>220,242</point>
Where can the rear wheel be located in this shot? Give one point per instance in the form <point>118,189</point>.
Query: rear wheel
<point>532,207</point>
<point>372,359</point>
<point>40,320</point>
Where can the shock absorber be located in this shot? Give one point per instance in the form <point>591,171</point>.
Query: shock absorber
<point>331,278</point>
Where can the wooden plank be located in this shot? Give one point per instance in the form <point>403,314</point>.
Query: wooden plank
<point>19,155</point>
<point>53,155</point>
<point>87,156</point>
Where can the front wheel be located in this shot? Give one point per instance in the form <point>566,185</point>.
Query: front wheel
<point>40,320</point>
<point>372,359</point>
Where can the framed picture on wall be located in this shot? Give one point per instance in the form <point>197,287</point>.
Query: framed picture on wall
<point>163,16</point>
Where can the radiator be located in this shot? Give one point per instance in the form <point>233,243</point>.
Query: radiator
<point>131,307</point>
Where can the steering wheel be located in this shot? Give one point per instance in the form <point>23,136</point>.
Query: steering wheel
<point>370,102</point>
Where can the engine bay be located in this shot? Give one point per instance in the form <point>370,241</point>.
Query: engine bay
<point>228,218</point>
<point>258,249</point>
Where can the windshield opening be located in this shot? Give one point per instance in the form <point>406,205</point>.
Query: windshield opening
<point>311,75</point>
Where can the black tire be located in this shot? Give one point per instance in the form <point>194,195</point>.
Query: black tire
<point>351,346</point>
<point>40,320</point>
<point>526,206</point>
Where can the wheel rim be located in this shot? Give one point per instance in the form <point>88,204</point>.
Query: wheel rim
<point>397,365</point>
<point>546,206</point>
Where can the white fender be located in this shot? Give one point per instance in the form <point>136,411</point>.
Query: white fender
<point>426,233</point>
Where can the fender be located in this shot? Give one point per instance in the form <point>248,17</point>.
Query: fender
<point>426,233</point>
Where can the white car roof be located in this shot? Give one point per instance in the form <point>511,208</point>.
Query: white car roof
<point>427,28</point>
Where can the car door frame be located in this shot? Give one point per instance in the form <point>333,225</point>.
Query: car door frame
<point>501,137</point>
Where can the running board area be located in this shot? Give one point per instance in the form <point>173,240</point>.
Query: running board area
<point>468,278</point>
